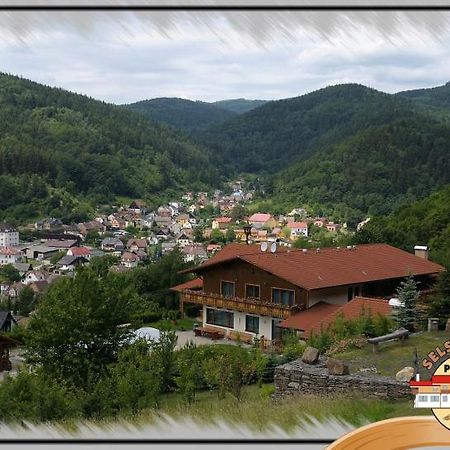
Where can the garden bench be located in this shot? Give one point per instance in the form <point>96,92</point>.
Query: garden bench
<point>208,332</point>
<point>401,334</point>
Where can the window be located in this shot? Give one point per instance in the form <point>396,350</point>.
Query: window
<point>356,291</point>
<point>252,324</point>
<point>444,398</point>
<point>435,398</point>
<point>227,288</point>
<point>220,318</point>
<point>278,332</point>
<point>284,297</point>
<point>422,398</point>
<point>252,291</point>
<point>349,293</point>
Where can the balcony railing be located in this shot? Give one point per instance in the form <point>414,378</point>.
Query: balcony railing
<point>246,305</point>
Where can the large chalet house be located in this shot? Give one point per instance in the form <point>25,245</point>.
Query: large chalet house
<point>243,289</point>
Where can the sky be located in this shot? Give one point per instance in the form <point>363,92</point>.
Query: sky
<point>126,57</point>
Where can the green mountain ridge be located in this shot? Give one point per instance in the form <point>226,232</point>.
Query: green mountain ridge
<point>56,146</point>
<point>348,148</point>
<point>438,96</point>
<point>270,137</point>
<point>180,113</point>
<point>239,105</point>
<point>374,171</point>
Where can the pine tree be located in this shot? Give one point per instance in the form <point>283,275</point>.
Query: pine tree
<point>408,295</point>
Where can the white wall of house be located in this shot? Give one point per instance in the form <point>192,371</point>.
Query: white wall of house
<point>9,238</point>
<point>297,232</point>
<point>130,264</point>
<point>265,324</point>
<point>10,259</point>
<point>32,277</point>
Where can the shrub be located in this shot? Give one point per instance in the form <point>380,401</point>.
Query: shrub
<point>293,348</point>
<point>231,371</point>
<point>135,382</point>
<point>322,340</point>
<point>382,325</point>
<point>36,397</point>
<point>190,377</point>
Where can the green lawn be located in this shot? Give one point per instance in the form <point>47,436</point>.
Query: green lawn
<point>258,411</point>
<point>393,356</point>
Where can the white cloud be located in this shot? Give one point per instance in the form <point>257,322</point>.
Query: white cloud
<point>134,59</point>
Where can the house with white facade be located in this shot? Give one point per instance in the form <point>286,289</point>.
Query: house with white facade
<point>244,289</point>
<point>298,229</point>
<point>10,255</point>
<point>9,236</point>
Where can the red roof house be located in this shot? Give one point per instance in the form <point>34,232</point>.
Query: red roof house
<point>322,314</point>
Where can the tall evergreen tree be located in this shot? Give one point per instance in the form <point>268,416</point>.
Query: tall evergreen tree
<point>408,295</point>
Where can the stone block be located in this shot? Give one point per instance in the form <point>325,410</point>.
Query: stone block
<point>337,367</point>
<point>405,374</point>
<point>310,355</point>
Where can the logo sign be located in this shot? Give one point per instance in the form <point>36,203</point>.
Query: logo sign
<point>414,431</point>
<point>435,393</point>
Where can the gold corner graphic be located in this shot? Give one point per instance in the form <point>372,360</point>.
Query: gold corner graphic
<point>396,434</point>
<point>409,432</point>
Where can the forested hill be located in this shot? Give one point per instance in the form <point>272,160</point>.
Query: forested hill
<point>347,148</point>
<point>56,145</point>
<point>181,113</point>
<point>425,222</point>
<point>435,98</point>
<point>240,105</point>
<point>374,171</point>
<point>277,133</point>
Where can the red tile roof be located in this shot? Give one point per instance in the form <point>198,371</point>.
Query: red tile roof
<point>297,225</point>
<point>306,320</point>
<point>140,243</point>
<point>318,269</point>
<point>223,219</point>
<point>322,314</point>
<point>127,256</point>
<point>79,251</point>
<point>259,217</point>
<point>9,251</point>
<point>196,283</point>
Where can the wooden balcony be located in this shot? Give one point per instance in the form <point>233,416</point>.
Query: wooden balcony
<point>246,305</point>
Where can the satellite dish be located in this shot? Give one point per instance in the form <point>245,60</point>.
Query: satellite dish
<point>273,247</point>
<point>395,302</point>
<point>264,246</point>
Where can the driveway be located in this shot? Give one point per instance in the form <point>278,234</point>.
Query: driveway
<point>185,336</point>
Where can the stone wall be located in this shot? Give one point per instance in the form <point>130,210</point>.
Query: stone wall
<point>298,377</point>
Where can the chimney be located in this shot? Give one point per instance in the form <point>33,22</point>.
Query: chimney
<point>417,376</point>
<point>421,251</point>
